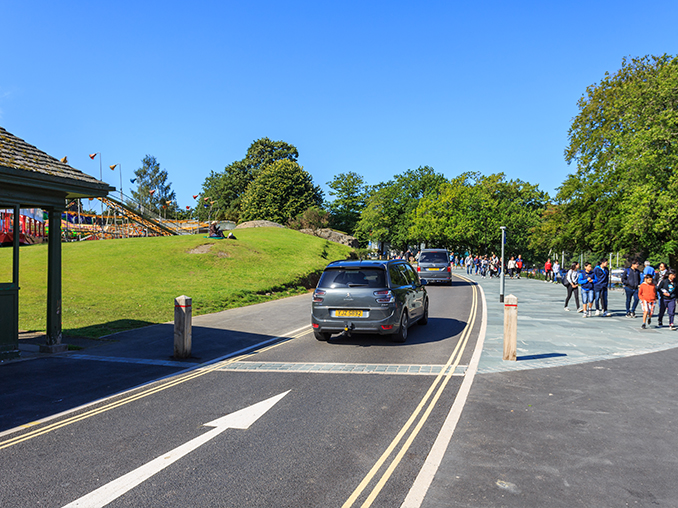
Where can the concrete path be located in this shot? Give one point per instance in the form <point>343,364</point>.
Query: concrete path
<point>586,417</point>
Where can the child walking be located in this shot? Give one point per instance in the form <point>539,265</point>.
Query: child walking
<point>648,296</point>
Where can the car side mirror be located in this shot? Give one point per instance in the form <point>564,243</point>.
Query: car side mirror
<point>423,282</point>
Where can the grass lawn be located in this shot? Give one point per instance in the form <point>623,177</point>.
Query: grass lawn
<point>115,285</point>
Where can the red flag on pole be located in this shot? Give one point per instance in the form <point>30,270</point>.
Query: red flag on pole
<point>151,192</point>
<point>92,155</point>
<point>113,167</point>
<point>188,208</point>
<point>195,196</point>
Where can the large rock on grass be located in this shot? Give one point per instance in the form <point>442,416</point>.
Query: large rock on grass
<point>333,236</point>
<point>259,224</point>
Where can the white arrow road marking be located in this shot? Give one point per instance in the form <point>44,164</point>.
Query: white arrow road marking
<point>241,419</point>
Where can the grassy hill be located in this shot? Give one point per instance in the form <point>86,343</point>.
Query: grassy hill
<point>114,285</point>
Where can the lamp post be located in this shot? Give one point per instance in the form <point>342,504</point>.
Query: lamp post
<point>501,279</point>
<point>101,177</point>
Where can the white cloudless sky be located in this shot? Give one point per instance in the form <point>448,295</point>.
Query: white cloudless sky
<point>371,87</point>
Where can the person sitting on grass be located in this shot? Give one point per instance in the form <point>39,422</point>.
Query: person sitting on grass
<point>669,290</point>
<point>648,296</point>
<point>215,230</point>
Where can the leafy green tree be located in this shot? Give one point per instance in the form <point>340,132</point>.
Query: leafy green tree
<point>281,191</point>
<point>389,208</point>
<point>153,189</point>
<point>624,142</point>
<point>227,188</point>
<point>469,210</point>
<point>349,191</point>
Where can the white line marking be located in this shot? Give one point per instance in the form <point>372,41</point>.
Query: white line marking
<point>415,496</point>
<point>241,419</point>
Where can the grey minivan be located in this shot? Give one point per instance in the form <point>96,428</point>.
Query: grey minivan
<point>383,297</point>
<point>434,265</point>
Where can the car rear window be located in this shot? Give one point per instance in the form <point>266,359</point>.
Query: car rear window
<point>433,257</point>
<point>341,278</point>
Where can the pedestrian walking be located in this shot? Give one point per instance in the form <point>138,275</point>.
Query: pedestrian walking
<point>511,266</point>
<point>556,271</point>
<point>669,290</point>
<point>572,286</point>
<point>548,266</point>
<point>648,270</point>
<point>647,292</point>
<point>519,266</point>
<point>659,275</point>
<point>631,280</point>
<point>602,273</point>
<point>586,280</point>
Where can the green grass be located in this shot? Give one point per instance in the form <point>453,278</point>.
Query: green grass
<point>114,285</point>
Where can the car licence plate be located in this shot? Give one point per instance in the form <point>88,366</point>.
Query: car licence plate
<point>433,269</point>
<point>348,313</point>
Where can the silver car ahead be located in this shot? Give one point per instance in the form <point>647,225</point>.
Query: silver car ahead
<point>434,266</point>
<point>383,297</point>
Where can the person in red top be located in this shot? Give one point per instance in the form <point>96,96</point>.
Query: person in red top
<point>648,295</point>
<point>548,270</point>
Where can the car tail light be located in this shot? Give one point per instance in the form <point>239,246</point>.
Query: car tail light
<point>385,296</point>
<point>316,325</point>
<point>387,327</point>
<point>318,296</point>
<point>449,268</point>
<point>418,268</point>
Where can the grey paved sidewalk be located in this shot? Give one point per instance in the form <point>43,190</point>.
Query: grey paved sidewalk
<point>548,336</point>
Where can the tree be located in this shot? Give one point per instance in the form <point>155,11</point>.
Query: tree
<point>469,210</point>
<point>349,191</point>
<point>281,191</point>
<point>389,208</point>
<point>227,188</point>
<point>624,142</point>
<point>153,189</point>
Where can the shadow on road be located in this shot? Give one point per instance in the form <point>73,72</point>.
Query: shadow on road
<point>436,330</point>
<point>47,385</point>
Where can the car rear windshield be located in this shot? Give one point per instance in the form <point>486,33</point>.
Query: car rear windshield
<point>342,278</point>
<point>433,257</point>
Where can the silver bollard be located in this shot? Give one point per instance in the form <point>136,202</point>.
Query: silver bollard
<point>510,328</point>
<point>183,322</point>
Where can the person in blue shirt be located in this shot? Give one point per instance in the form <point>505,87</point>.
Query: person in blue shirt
<point>648,270</point>
<point>602,274</point>
<point>586,280</point>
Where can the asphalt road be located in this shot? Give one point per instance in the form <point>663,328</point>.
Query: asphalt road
<point>357,420</point>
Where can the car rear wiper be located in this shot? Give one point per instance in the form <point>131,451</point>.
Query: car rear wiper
<point>356,285</point>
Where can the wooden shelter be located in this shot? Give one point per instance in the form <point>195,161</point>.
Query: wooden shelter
<point>30,178</point>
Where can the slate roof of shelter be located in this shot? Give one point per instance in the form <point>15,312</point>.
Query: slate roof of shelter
<point>15,153</point>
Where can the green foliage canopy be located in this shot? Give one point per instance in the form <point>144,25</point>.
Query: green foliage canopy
<point>389,208</point>
<point>624,142</point>
<point>468,211</point>
<point>281,191</point>
<point>349,191</point>
<point>150,177</point>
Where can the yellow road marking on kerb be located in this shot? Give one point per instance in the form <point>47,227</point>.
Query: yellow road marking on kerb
<point>201,371</point>
<point>454,359</point>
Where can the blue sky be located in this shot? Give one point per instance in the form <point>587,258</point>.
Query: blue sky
<point>371,87</point>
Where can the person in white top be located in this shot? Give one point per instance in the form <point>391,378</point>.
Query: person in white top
<point>572,286</point>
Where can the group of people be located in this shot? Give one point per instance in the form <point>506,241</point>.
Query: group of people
<point>490,266</point>
<point>647,287</point>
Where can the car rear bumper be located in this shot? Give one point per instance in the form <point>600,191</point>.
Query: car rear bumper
<point>356,325</point>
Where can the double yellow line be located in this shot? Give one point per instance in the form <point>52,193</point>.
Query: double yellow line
<point>442,379</point>
<point>145,393</point>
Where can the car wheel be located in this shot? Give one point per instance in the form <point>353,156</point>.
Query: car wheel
<point>324,336</point>
<point>424,319</point>
<point>401,335</point>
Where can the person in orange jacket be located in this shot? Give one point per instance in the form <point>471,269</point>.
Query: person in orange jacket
<point>648,296</point>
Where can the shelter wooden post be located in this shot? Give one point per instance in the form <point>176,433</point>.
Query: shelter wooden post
<point>510,327</point>
<point>54,315</point>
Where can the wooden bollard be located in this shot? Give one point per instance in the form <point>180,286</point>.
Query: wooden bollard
<point>183,322</point>
<point>510,327</point>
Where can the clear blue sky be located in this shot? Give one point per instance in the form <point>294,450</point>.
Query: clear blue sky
<point>371,87</point>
